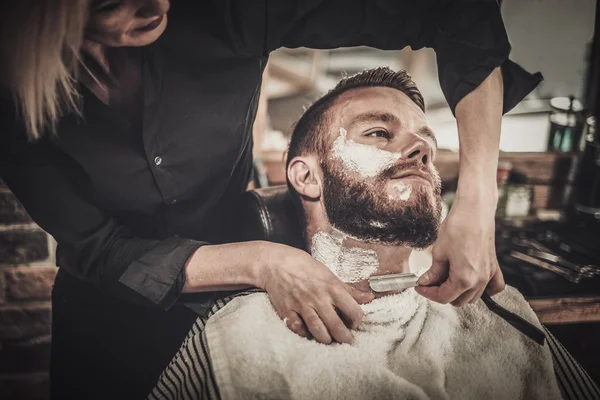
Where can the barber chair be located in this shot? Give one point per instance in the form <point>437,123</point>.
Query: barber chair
<point>270,214</point>
<point>262,214</point>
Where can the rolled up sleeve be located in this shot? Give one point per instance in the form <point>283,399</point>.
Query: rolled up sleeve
<point>158,275</point>
<point>470,41</point>
<point>94,246</point>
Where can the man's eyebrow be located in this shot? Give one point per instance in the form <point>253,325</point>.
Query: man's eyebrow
<point>391,118</point>
<point>375,117</point>
<point>427,132</point>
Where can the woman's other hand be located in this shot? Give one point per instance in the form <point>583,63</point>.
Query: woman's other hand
<point>308,296</point>
<point>464,258</point>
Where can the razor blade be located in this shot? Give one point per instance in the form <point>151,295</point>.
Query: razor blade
<point>393,282</point>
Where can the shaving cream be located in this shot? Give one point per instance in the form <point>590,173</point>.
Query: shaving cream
<point>404,191</point>
<point>368,161</point>
<point>398,308</point>
<point>350,264</point>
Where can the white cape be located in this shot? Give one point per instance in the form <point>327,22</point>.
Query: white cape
<point>406,348</point>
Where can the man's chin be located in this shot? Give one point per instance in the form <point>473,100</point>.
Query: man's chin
<point>407,194</point>
<point>420,236</point>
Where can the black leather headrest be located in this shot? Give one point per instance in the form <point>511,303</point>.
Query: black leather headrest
<point>270,214</point>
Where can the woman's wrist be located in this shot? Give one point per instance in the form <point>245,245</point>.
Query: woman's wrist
<point>270,255</point>
<point>477,186</point>
<point>261,260</point>
<point>476,191</point>
<point>225,267</point>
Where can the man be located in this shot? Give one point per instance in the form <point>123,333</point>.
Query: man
<point>360,167</point>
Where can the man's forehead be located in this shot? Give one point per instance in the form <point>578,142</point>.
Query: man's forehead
<point>384,101</point>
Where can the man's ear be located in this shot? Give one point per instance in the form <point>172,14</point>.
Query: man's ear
<point>303,174</point>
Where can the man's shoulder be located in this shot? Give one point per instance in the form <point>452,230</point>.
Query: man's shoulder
<point>248,318</point>
<point>510,299</point>
<point>511,295</point>
<point>248,307</point>
<point>477,319</point>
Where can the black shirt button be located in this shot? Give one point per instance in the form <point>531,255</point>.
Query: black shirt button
<point>158,160</point>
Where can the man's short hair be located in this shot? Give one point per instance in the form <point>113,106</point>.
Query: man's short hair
<point>309,134</point>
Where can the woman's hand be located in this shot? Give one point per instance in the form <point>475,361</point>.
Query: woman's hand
<point>305,294</point>
<point>464,257</point>
<point>308,296</point>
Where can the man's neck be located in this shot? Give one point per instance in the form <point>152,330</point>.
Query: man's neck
<point>353,260</point>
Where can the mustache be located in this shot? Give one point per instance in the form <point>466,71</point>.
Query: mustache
<point>413,165</point>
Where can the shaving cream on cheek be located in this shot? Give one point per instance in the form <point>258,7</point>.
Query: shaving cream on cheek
<point>368,161</point>
<point>349,264</point>
<point>402,191</point>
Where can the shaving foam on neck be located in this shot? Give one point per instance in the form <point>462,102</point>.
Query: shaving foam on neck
<point>350,264</point>
<point>368,161</point>
<point>399,308</point>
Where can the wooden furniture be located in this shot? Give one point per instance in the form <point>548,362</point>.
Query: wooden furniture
<point>567,310</point>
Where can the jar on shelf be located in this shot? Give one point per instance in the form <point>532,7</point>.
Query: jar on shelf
<point>588,179</point>
<point>566,124</point>
<point>514,199</point>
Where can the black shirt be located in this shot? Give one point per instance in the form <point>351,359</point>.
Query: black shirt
<point>129,204</point>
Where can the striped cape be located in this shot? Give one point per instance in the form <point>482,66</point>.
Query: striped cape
<point>189,376</point>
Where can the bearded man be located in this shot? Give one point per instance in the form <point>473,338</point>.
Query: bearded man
<point>360,168</point>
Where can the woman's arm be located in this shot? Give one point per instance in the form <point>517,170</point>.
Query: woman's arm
<point>92,245</point>
<point>480,84</point>
<point>464,256</point>
<point>96,248</point>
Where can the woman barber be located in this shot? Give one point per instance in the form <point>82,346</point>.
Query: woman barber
<point>126,134</point>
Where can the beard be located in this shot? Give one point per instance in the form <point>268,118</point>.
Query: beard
<point>362,208</point>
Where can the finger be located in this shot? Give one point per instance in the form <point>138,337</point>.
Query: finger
<point>334,324</point>
<point>477,295</point>
<point>476,289</point>
<point>444,294</point>
<point>315,326</point>
<point>295,324</point>
<point>496,284</point>
<point>436,275</point>
<point>359,296</point>
<point>347,306</point>
<point>464,298</point>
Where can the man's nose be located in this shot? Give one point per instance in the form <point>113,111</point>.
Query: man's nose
<point>417,149</point>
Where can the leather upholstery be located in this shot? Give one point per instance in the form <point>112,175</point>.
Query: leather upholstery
<point>270,214</point>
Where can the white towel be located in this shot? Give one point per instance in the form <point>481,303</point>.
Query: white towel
<point>407,348</point>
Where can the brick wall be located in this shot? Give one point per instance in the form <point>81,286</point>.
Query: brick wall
<point>27,272</point>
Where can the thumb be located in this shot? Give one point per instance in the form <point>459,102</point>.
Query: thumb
<point>360,296</point>
<point>436,275</point>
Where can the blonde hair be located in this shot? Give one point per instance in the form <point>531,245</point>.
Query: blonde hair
<point>40,42</point>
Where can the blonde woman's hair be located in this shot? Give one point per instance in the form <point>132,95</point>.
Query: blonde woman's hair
<point>39,44</point>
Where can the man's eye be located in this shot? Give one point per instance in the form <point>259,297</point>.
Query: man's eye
<point>107,6</point>
<point>379,134</point>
